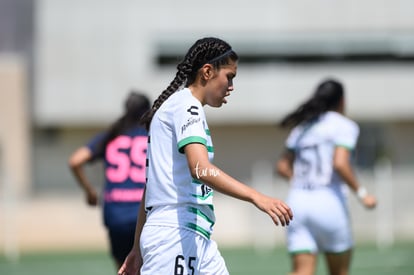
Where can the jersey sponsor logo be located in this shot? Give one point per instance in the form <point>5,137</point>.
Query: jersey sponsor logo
<point>193,110</point>
<point>189,122</point>
<point>124,195</point>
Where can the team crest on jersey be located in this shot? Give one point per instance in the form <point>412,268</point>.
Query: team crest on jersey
<point>205,190</point>
<point>193,110</point>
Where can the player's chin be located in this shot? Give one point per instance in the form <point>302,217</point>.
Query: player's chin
<point>217,104</point>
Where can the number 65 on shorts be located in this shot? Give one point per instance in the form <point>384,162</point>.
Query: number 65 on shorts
<point>181,252</point>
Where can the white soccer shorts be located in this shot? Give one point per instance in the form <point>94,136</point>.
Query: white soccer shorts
<point>174,251</point>
<point>321,221</point>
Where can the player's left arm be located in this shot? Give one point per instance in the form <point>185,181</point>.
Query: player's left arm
<point>343,167</point>
<point>202,169</point>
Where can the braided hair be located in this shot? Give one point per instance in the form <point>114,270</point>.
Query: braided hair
<point>327,96</point>
<point>208,50</point>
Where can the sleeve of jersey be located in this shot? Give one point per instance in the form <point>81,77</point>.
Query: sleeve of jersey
<point>189,126</point>
<point>347,135</point>
<point>292,139</point>
<point>94,143</point>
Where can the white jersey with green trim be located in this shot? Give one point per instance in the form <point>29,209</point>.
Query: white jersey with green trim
<point>173,196</point>
<point>314,145</point>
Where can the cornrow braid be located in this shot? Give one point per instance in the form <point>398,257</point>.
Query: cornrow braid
<point>207,50</point>
<point>177,82</point>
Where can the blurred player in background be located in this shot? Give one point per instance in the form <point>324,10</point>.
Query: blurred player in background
<point>317,163</point>
<point>179,212</point>
<point>122,148</point>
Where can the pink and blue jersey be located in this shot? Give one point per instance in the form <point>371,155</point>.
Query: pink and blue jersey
<point>124,163</point>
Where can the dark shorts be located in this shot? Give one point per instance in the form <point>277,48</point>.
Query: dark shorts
<point>121,241</point>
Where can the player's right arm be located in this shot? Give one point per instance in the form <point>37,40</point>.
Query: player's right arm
<point>284,166</point>
<point>76,162</point>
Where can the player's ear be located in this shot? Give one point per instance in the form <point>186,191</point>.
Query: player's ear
<point>207,71</point>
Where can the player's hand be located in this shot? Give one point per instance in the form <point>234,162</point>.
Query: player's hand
<point>92,198</point>
<point>369,201</point>
<point>279,211</point>
<point>131,265</point>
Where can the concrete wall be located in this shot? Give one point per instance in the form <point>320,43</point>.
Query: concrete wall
<point>88,55</point>
<point>15,138</point>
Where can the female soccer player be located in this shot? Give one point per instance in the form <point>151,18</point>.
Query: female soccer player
<point>173,236</point>
<point>318,164</point>
<point>122,148</point>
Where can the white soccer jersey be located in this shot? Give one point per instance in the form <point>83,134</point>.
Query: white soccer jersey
<point>174,197</point>
<point>314,145</point>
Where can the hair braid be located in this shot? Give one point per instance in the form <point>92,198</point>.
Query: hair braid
<point>203,51</point>
<point>175,84</point>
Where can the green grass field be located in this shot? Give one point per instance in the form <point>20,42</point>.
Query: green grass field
<point>398,260</point>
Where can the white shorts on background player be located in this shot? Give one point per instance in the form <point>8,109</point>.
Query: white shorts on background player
<point>321,222</point>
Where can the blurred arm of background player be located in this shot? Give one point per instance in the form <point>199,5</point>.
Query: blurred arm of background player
<point>342,166</point>
<point>76,163</point>
<point>284,166</point>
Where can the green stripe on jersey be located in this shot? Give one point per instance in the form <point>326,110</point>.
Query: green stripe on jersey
<point>345,146</point>
<point>210,149</point>
<point>189,140</point>
<point>203,197</point>
<point>202,219</point>
<point>196,181</point>
<point>200,214</point>
<point>200,230</point>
